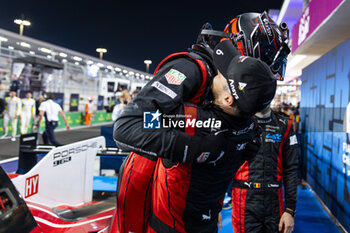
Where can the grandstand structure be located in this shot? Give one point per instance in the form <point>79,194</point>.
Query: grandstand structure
<point>44,67</point>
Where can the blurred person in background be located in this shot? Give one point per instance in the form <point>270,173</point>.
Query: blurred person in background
<point>2,106</point>
<point>277,107</point>
<point>134,93</point>
<point>111,104</point>
<point>28,112</point>
<point>50,110</point>
<point>286,109</point>
<point>89,109</point>
<point>24,82</point>
<point>12,112</point>
<point>296,118</point>
<point>37,105</point>
<point>15,84</point>
<point>124,99</point>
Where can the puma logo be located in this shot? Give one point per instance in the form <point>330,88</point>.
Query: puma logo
<point>206,217</point>
<point>248,184</point>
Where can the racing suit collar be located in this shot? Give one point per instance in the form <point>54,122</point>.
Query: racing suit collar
<point>266,120</point>
<point>206,53</point>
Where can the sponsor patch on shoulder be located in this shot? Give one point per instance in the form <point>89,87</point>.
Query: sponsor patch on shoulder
<point>166,90</point>
<point>293,140</point>
<point>175,77</point>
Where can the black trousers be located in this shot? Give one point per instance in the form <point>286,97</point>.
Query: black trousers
<point>49,133</point>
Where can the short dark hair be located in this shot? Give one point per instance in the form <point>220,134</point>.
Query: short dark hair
<point>49,96</point>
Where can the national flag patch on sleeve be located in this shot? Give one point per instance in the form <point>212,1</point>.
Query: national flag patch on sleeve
<point>175,77</point>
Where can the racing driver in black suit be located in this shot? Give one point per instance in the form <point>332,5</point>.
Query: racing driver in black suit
<point>257,196</point>
<point>178,79</point>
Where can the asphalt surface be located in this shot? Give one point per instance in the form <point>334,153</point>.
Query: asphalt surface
<point>9,149</point>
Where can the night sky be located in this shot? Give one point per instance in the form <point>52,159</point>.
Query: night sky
<point>132,31</point>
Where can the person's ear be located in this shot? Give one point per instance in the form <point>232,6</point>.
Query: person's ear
<point>229,100</point>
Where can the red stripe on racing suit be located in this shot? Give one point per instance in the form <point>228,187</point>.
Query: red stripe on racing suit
<point>166,207</point>
<point>197,98</point>
<point>188,197</point>
<point>257,201</point>
<point>280,166</point>
<point>131,178</point>
<point>239,199</point>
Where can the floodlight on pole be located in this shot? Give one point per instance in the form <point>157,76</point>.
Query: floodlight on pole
<point>148,63</point>
<point>101,51</point>
<point>21,24</point>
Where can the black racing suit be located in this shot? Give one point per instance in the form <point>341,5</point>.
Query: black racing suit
<point>163,93</point>
<point>178,80</point>
<point>257,196</point>
<point>187,197</point>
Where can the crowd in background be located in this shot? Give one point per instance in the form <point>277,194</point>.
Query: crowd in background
<point>291,111</point>
<point>12,107</point>
<point>114,105</point>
